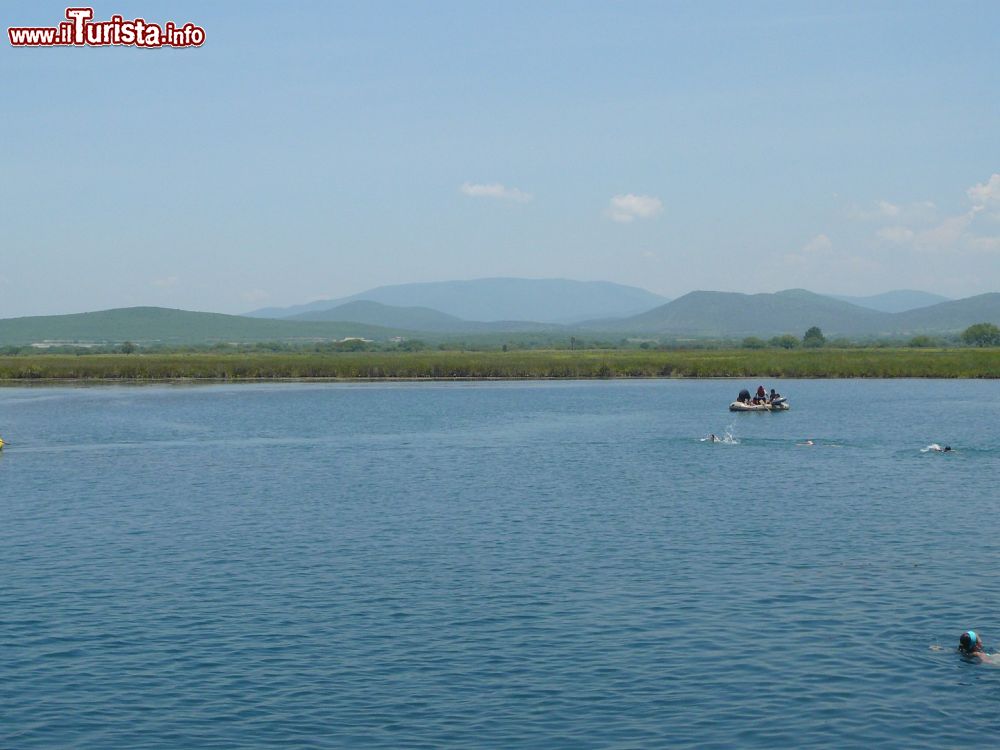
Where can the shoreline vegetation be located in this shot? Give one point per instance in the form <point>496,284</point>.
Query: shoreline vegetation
<point>511,365</point>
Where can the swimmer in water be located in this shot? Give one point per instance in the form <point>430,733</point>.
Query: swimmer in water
<point>712,438</point>
<point>938,449</point>
<point>807,442</point>
<point>971,646</point>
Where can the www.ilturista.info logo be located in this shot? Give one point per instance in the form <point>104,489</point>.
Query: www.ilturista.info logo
<point>80,30</point>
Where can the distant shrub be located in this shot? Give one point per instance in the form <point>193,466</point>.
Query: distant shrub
<point>788,341</point>
<point>922,342</point>
<point>813,338</point>
<point>982,334</point>
<point>752,342</point>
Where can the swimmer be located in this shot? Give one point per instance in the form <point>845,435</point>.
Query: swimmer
<point>712,438</point>
<point>971,645</point>
<point>807,442</point>
<point>934,447</point>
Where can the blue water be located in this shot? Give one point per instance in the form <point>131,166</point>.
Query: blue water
<point>504,565</point>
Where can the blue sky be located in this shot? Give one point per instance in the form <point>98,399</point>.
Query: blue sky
<point>320,149</point>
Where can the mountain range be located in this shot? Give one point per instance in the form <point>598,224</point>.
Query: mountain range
<point>696,314</point>
<point>560,301</point>
<point>730,314</point>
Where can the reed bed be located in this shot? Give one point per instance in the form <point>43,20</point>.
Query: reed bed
<point>770,363</point>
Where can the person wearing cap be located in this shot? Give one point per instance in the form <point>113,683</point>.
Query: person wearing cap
<point>971,645</point>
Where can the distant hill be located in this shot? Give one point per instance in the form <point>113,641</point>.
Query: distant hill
<point>422,319</point>
<point>698,314</point>
<point>792,311</point>
<point>157,324</point>
<point>559,301</point>
<point>734,314</point>
<point>896,301</point>
<point>954,315</point>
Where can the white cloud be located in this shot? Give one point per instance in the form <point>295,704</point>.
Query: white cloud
<point>818,256</point>
<point>629,207</point>
<point>166,282</point>
<point>986,194</point>
<point>886,211</point>
<point>916,228</point>
<point>495,190</point>
<point>946,235</point>
<point>818,244</point>
<point>896,235</point>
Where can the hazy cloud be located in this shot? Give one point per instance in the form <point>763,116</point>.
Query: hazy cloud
<point>254,295</point>
<point>819,257</point>
<point>917,230</point>
<point>886,211</point>
<point>985,196</point>
<point>819,243</point>
<point>629,207</point>
<point>896,235</point>
<point>985,244</point>
<point>495,190</point>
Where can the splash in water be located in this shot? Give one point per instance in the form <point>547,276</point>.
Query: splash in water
<point>727,438</point>
<point>935,448</point>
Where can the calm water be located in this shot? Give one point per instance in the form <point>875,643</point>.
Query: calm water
<point>497,565</point>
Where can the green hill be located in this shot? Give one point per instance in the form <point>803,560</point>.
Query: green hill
<point>955,315</point>
<point>729,314</point>
<point>422,319</point>
<point>149,325</point>
<point>374,313</point>
<point>733,314</point>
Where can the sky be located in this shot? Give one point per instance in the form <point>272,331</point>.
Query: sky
<point>317,149</point>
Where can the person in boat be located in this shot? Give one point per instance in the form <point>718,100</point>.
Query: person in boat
<point>971,645</point>
<point>774,395</point>
<point>761,394</point>
<point>744,397</point>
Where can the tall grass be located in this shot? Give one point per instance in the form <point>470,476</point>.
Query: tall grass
<point>821,363</point>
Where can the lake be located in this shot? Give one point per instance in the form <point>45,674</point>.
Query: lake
<point>502,565</point>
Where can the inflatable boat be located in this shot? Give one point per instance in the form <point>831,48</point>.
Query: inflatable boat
<point>779,404</point>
